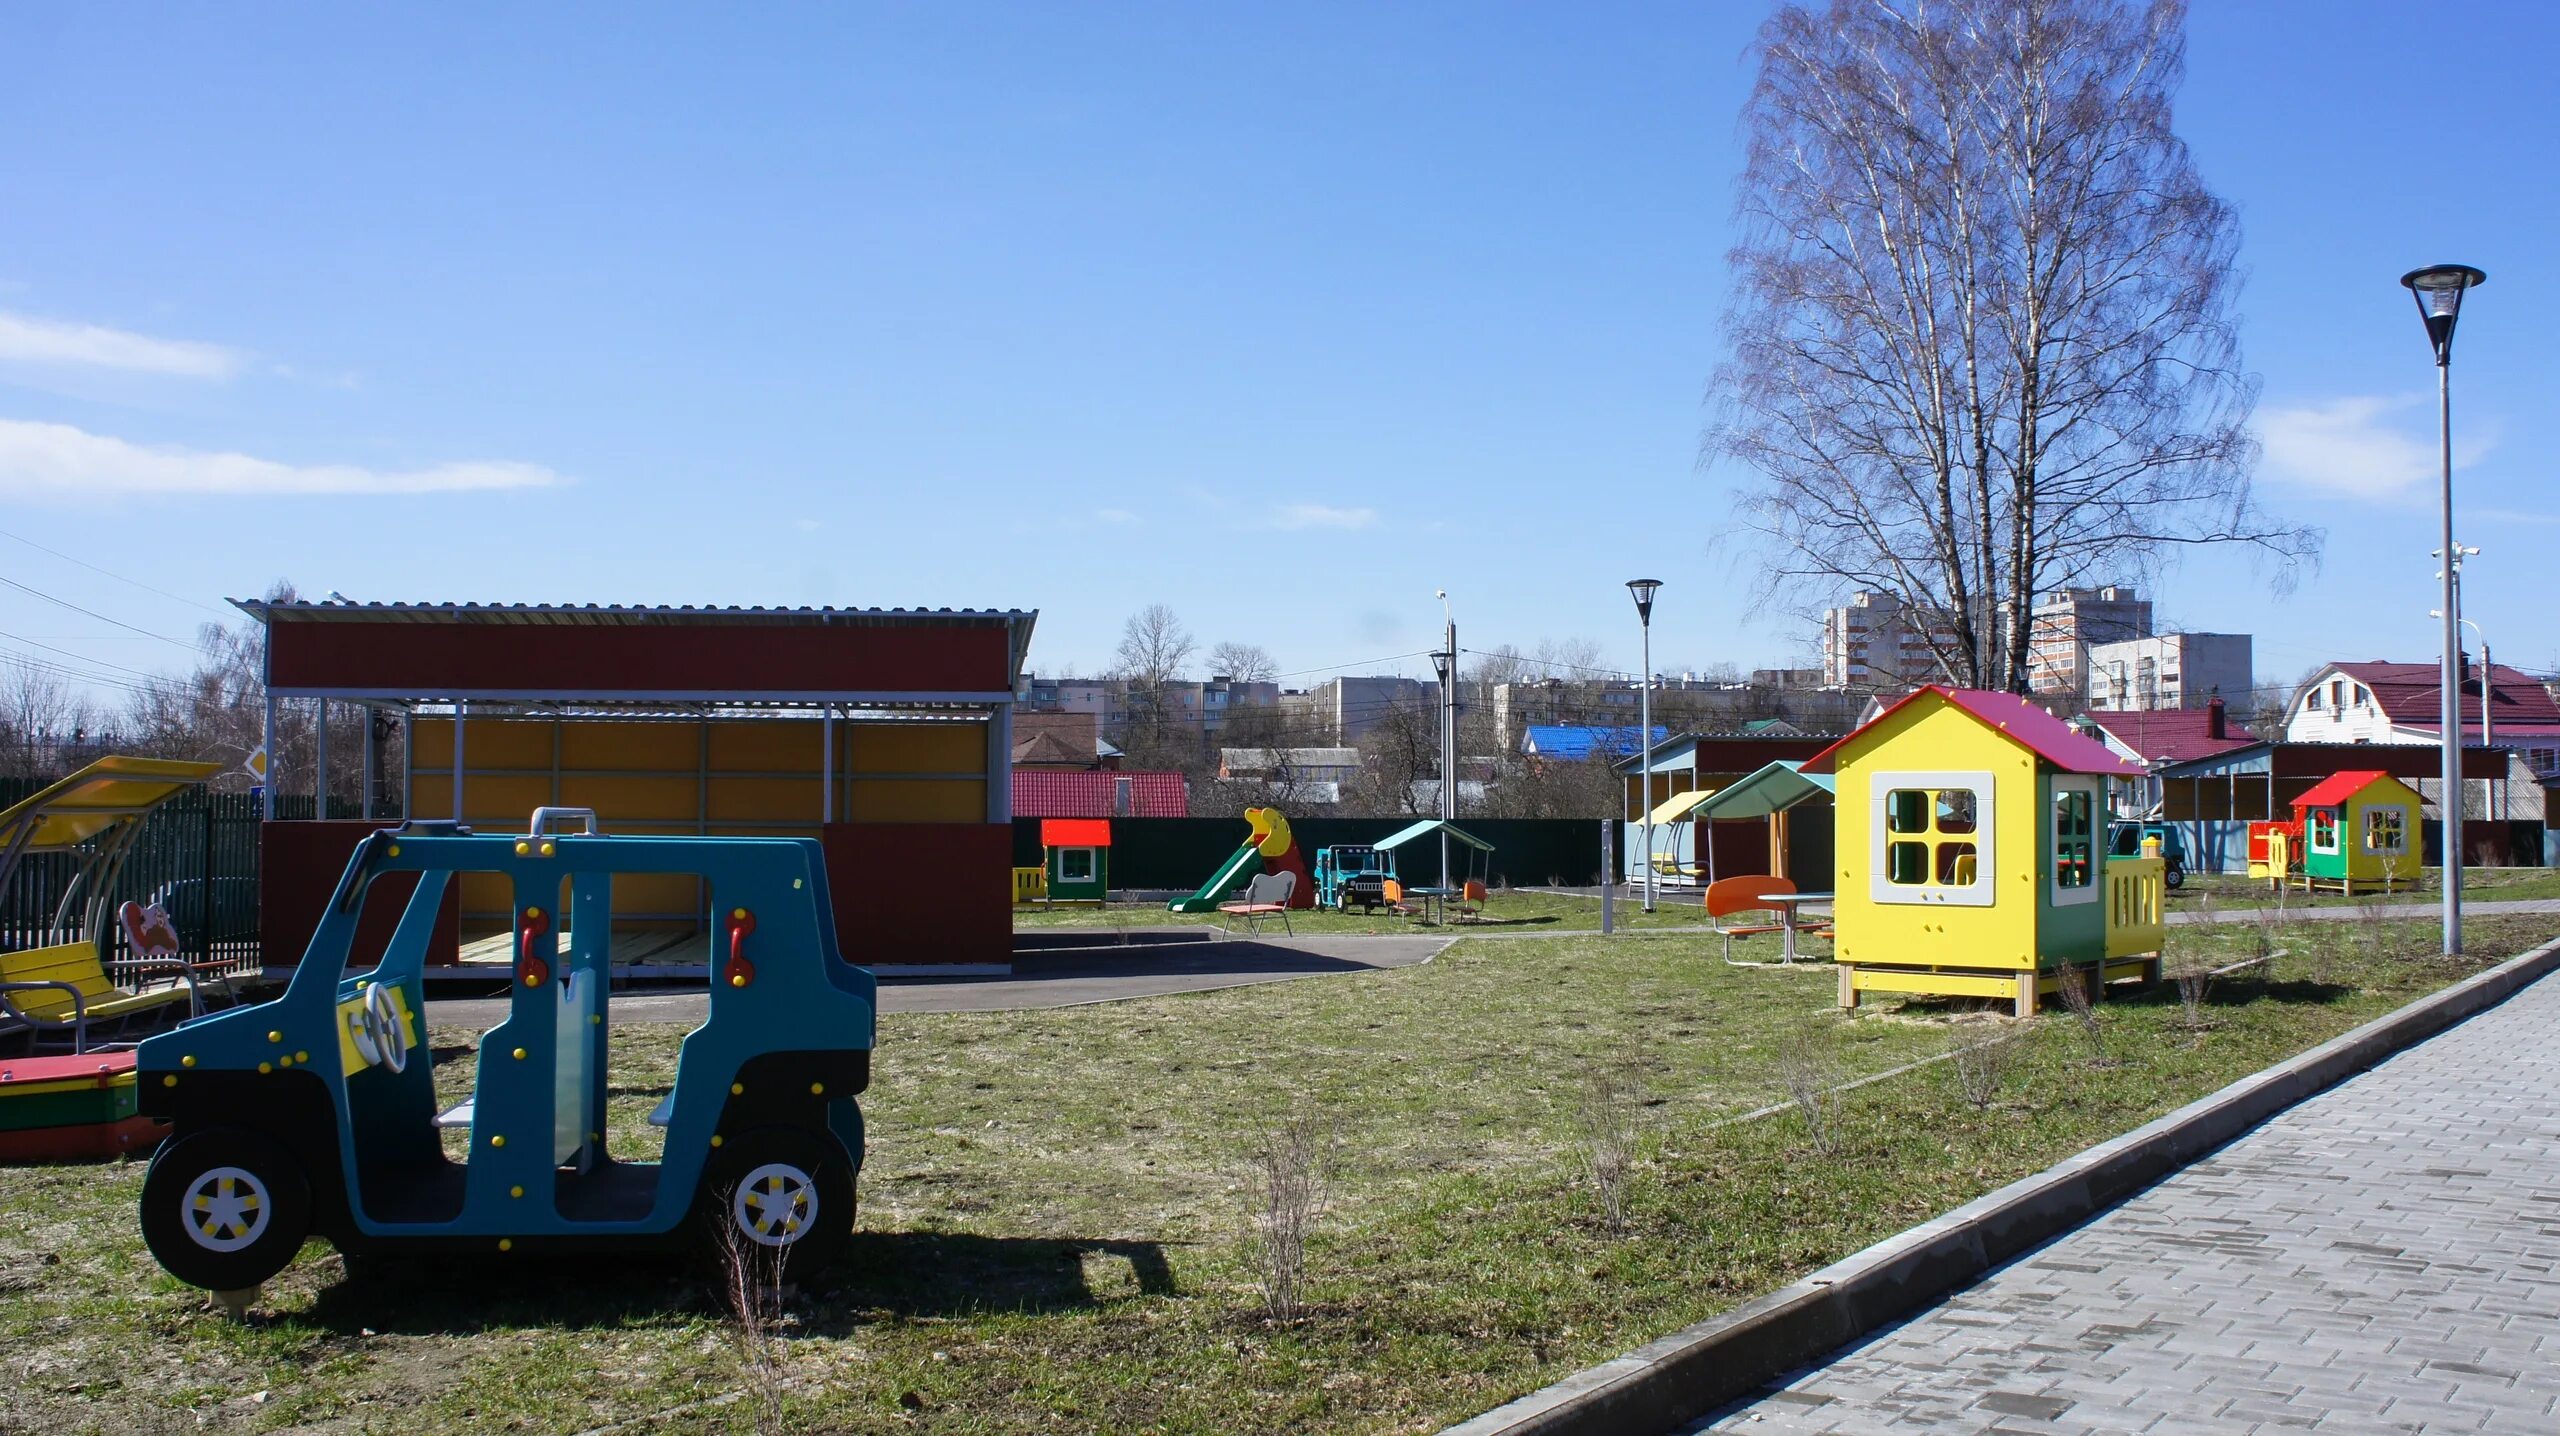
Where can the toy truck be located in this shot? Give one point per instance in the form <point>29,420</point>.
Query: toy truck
<point>316,1113</point>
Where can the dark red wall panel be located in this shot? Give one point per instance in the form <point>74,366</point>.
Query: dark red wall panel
<point>922,892</point>
<point>428,659</point>
<point>299,865</point>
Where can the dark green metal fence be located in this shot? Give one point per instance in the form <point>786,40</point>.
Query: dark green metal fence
<point>197,857</point>
<point>1181,853</point>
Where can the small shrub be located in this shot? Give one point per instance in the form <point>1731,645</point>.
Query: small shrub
<point>751,1294</point>
<point>2080,994</point>
<point>1810,1072</point>
<point>2194,978</point>
<point>1293,1174</point>
<point>1607,1122</point>
<point>1982,1068</point>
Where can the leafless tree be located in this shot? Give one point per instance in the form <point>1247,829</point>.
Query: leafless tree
<point>1606,1119</point>
<point>1243,662</point>
<point>1982,1067</point>
<point>1155,650</point>
<point>1983,344</point>
<point>1401,749</point>
<point>1293,1179</point>
<point>40,715</point>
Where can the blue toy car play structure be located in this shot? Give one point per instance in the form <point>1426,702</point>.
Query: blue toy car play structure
<point>315,1113</point>
<point>1350,875</point>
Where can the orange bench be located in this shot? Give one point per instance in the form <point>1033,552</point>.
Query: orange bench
<point>1728,897</point>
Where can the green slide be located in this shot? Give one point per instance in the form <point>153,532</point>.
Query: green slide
<point>1232,875</point>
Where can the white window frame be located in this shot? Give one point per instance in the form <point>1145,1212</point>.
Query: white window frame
<point>1981,891</point>
<point>2073,897</point>
<point>2397,849</point>
<point>1069,855</point>
<point>2337,832</point>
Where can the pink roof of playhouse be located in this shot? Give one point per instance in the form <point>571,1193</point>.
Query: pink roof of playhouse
<point>2014,718</point>
<point>2330,791</point>
<point>2411,695</point>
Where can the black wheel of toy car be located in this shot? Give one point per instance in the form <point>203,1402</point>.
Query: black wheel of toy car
<point>779,1194</point>
<point>225,1209</point>
<point>2174,875</point>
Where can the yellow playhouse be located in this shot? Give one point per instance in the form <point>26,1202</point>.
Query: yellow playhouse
<point>1972,854</point>
<point>2358,827</point>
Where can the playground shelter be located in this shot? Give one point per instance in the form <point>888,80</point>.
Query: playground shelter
<point>884,733</point>
<point>1701,763</point>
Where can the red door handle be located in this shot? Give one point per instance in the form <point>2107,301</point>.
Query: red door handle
<point>739,972</point>
<point>532,970</point>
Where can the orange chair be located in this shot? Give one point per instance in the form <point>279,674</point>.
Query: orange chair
<point>1729,896</point>
<point>1471,896</point>
<point>1393,892</point>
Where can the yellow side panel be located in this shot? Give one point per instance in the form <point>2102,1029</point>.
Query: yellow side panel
<point>430,794</point>
<point>620,802</point>
<point>782,799</point>
<point>919,801</point>
<point>485,892</point>
<point>767,747</point>
<point>918,748</point>
<point>1934,984</point>
<point>636,893</point>
<point>498,743</point>
<point>502,804</point>
<point>430,744</point>
<point>656,747</point>
<point>1933,734</point>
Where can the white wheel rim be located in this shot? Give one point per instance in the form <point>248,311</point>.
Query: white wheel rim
<point>226,1209</point>
<point>775,1204</point>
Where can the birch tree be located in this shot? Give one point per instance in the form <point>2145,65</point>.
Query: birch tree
<point>1983,344</point>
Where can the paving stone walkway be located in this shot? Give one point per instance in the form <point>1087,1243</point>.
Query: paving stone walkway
<point>2382,1258</point>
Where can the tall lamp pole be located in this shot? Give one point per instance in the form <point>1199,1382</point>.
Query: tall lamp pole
<point>2439,289</point>
<point>1644,589</point>
<point>1446,661</point>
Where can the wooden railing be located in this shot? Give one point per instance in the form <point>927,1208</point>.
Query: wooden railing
<point>2136,899</point>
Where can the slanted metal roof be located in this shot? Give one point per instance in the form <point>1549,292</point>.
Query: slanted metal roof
<point>1773,789</point>
<point>1403,836</point>
<point>601,615</point>
<point>114,789</point>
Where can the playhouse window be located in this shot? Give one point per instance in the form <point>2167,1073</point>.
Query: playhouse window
<point>2074,843</point>
<point>2322,828</point>
<point>1075,865</point>
<point>1927,847</point>
<point>2384,831</point>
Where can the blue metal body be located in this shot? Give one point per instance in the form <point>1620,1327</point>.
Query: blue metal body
<point>786,1047</point>
<point>1352,875</point>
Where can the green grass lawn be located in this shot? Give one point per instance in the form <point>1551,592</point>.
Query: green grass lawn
<point>1507,910</point>
<point>2478,884</point>
<point>1058,1206</point>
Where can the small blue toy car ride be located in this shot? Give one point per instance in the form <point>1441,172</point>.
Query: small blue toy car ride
<point>315,1113</point>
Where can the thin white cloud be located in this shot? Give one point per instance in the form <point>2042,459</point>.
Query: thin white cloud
<point>1324,516</point>
<point>53,343</point>
<point>58,462</point>
<point>2355,447</point>
<point>1115,516</point>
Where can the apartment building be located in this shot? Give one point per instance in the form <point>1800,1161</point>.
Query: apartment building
<point>2169,670</point>
<point>2067,623</point>
<point>1876,642</point>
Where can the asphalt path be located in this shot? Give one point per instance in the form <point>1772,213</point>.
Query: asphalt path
<point>1070,977</point>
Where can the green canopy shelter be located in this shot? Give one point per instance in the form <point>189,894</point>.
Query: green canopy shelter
<point>1430,826</point>
<point>1766,792</point>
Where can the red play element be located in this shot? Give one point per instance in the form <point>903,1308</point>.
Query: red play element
<point>532,971</point>
<point>2329,792</point>
<point>739,972</point>
<point>1075,832</point>
<point>1303,895</point>
<point>107,1136</point>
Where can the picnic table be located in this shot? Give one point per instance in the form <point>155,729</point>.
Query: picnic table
<point>1790,906</point>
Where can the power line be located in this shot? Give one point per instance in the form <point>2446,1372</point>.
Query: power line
<point>110,573</point>
<point>93,613</point>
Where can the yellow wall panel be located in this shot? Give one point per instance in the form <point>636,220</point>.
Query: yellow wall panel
<point>918,748</point>
<point>774,746</point>
<point>430,743</point>
<point>624,800</point>
<point>499,743</point>
<point>670,747</point>
<point>785,799</point>
<point>514,798</point>
<point>915,801</point>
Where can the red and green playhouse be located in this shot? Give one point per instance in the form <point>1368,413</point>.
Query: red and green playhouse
<point>885,733</point>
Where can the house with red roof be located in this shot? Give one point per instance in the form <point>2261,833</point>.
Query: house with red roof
<point>2381,702</point>
<point>2160,736</point>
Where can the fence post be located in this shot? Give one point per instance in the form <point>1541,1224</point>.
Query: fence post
<point>204,881</point>
<point>1608,877</point>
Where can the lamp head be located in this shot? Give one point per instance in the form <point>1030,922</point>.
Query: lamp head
<point>2439,289</point>
<point>1644,589</point>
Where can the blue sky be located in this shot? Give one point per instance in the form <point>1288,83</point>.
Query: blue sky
<point>1283,315</point>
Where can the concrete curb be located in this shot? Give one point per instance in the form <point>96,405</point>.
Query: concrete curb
<point>1691,1372</point>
